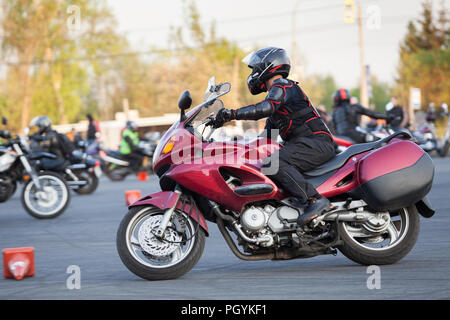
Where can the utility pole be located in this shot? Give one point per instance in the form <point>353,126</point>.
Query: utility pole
<point>294,41</point>
<point>363,85</point>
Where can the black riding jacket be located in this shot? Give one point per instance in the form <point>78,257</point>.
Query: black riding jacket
<point>49,142</point>
<point>346,117</point>
<point>289,110</point>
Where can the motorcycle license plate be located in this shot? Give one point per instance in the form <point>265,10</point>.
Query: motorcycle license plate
<point>98,171</point>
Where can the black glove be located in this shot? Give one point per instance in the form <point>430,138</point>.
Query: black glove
<point>224,115</point>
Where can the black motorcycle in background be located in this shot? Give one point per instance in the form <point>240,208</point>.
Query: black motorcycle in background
<point>45,194</point>
<point>80,171</point>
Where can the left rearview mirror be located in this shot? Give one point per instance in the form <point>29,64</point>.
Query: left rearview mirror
<point>185,100</point>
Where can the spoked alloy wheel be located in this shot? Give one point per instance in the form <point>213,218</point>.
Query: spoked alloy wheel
<point>385,239</point>
<point>49,202</point>
<point>154,259</point>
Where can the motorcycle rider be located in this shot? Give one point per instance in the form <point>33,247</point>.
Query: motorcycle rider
<point>308,141</point>
<point>129,148</point>
<point>398,112</point>
<point>346,116</point>
<point>50,141</point>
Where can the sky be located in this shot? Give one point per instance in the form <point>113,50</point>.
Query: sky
<point>325,44</point>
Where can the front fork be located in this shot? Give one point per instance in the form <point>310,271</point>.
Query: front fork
<point>168,215</point>
<point>28,169</point>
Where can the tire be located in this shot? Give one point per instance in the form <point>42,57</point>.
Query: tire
<point>60,208</point>
<point>113,174</point>
<point>6,192</point>
<point>399,250</point>
<point>90,177</point>
<point>444,150</point>
<point>153,273</point>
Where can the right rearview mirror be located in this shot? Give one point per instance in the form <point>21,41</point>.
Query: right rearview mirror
<point>4,121</point>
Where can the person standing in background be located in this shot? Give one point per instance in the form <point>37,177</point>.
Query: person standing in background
<point>93,129</point>
<point>398,113</point>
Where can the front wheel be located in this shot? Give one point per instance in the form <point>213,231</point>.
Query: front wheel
<point>151,258</point>
<point>380,243</point>
<point>49,202</point>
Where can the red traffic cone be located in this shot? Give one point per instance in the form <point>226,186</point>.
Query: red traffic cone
<point>18,262</point>
<point>132,196</point>
<point>142,176</point>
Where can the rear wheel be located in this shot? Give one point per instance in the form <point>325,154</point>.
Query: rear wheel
<point>153,259</point>
<point>387,245</point>
<point>444,150</point>
<point>91,179</point>
<point>115,172</point>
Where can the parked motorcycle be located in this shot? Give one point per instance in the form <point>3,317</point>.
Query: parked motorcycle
<point>80,171</point>
<point>427,139</point>
<point>117,168</point>
<point>45,194</point>
<point>424,137</point>
<point>378,190</point>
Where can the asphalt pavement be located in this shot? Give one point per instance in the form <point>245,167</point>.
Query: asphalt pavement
<point>84,237</point>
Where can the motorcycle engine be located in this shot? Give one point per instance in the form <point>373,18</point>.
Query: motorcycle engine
<point>254,219</point>
<point>281,219</point>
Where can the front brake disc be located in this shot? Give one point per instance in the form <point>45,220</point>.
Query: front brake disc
<point>151,244</point>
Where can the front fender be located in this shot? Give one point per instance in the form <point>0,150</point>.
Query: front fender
<point>167,199</point>
<point>424,208</point>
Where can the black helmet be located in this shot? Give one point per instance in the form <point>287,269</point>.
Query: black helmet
<point>42,124</point>
<point>132,125</point>
<point>266,63</point>
<point>341,96</point>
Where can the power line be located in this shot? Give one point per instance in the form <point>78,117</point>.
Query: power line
<point>284,33</point>
<point>243,19</point>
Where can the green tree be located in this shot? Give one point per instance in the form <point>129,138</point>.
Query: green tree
<point>425,57</point>
<point>51,66</point>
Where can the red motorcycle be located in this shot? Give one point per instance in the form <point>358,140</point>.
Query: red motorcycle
<point>377,189</point>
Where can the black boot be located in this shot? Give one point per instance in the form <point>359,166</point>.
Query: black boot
<point>315,208</point>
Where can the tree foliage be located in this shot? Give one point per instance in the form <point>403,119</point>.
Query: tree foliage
<point>425,57</point>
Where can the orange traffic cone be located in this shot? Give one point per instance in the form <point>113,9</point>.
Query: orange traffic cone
<point>132,196</point>
<point>142,176</point>
<point>18,262</point>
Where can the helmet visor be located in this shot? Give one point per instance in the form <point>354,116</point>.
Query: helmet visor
<point>248,59</point>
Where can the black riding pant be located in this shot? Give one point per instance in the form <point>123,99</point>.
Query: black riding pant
<point>299,155</point>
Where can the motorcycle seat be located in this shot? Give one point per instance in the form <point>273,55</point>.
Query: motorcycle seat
<point>340,159</point>
<point>114,154</point>
<point>40,155</point>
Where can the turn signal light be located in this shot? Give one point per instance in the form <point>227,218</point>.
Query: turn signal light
<point>169,145</point>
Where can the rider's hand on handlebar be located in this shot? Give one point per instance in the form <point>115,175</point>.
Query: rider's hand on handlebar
<point>224,115</point>
<point>36,137</point>
<point>391,118</point>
